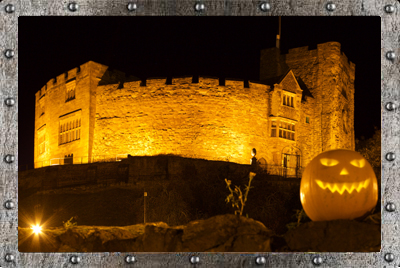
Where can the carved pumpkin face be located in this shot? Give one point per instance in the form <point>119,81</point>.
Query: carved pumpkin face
<point>338,184</point>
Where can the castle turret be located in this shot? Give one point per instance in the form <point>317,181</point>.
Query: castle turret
<point>329,76</point>
<point>65,112</point>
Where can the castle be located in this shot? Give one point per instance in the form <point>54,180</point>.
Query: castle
<point>302,105</point>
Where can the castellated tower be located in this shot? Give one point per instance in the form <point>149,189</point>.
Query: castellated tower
<point>302,105</point>
<point>64,114</point>
<point>328,75</point>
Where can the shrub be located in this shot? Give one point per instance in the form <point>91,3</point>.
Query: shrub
<point>69,224</point>
<point>236,197</point>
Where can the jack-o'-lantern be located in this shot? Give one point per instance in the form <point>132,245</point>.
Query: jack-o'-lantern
<point>338,184</point>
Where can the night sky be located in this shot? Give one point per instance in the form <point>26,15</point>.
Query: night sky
<point>225,47</point>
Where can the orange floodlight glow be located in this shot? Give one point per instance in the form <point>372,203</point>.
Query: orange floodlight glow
<point>36,229</point>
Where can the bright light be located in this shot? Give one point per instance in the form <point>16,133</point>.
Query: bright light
<point>36,229</point>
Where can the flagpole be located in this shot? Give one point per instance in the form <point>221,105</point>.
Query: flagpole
<point>278,37</point>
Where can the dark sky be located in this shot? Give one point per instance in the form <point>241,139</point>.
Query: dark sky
<point>175,46</point>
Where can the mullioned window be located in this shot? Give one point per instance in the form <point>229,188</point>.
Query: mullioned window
<point>285,130</point>
<point>70,130</point>
<point>288,100</point>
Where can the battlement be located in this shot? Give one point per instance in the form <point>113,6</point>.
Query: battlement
<point>77,72</point>
<point>114,76</point>
<point>188,80</point>
<point>203,115</point>
<point>332,48</point>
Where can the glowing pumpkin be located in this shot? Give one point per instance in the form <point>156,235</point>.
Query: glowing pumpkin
<point>338,184</point>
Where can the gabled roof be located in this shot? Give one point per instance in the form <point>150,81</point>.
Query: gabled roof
<point>306,91</point>
<point>278,79</point>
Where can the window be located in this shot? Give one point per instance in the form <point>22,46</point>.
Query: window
<point>70,90</point>
<point>286,130</point>
<point>41,142</point>
<point>288,100</point>
<point>308,120</point>
<point>70,130</point>
<point>273,128</point>
<point>41,107</point>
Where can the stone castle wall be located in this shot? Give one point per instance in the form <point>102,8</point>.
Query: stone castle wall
<point>56,110</point>
<point>204,119</point>
<point>327,72</point>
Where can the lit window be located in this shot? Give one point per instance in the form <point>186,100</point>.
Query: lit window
<point>288,100</point>
<point>308,120</point>
<point>69,131</point>
<point>286,130</point>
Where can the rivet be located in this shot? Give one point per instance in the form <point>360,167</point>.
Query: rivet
<point>131,6</point>
<point>390,207</point>
<point>390,156</point>
<point>9,53</point>
<point>130,259</point>
<point>9,204</point>
<point>330,6</point>
<point>9,158</point>
<point>9,8</point>
<point>9,257</point>
<point>389,257</point>
<point>265,7</point>
<point>73,7</point>
<point>317,260</point>
<point>390,106</point>
<point>194,259</point>
<point>75,259</point>
<point>390,55</point>
<point>9,102</point>
<point>199,7</point>
<point>261,260</point>
<point>389,8</point>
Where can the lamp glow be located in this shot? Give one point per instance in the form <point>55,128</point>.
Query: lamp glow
<point>36,229</point>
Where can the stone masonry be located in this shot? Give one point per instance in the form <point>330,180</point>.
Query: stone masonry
<point>302,105</point>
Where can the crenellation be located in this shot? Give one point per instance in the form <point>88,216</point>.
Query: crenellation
<point>330,48</point>
<point>209,80</point>
<point>156,81</point>
<point>204,119</point>
<point>73,73</point>
<point>51,83</point>
<point>182,80</point>
<point>237,83</point>
<point>60,79</point>
<point>133,84</point>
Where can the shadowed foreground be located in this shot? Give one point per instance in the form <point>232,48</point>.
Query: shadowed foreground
<point>223,233</point>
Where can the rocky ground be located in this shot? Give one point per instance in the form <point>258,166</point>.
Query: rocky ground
<point>223,233</point>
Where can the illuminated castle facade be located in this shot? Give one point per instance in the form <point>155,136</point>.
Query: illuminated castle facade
<point>302,105</point>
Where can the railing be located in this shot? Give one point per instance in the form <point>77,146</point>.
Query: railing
<point>286,172</point>
<point>79,160</point>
